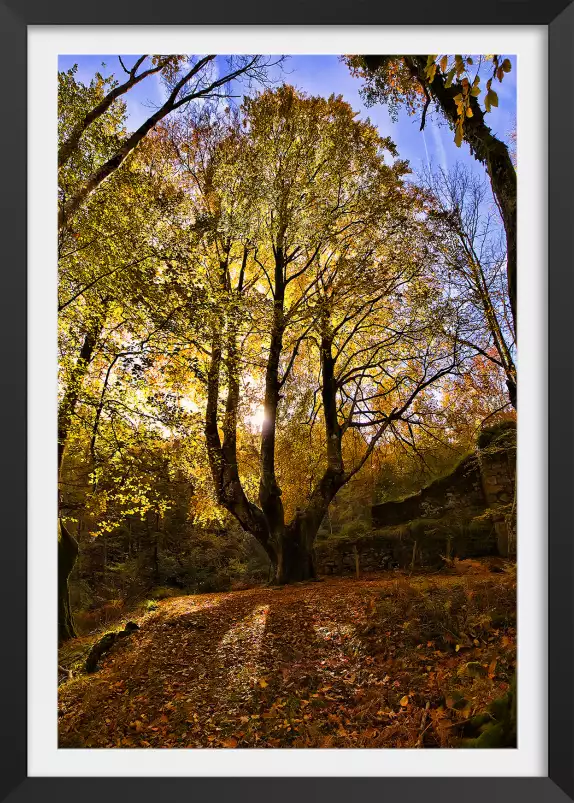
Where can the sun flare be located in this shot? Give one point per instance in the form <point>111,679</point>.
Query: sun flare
<point>255,419</point>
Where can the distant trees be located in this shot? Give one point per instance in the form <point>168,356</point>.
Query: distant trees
<point>475,261</point>
<point>454,86</point>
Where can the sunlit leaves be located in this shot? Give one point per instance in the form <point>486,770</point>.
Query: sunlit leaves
<point>401,80</point>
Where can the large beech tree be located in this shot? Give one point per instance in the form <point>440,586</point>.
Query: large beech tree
<point>262,291</point>
<point>315,249</point>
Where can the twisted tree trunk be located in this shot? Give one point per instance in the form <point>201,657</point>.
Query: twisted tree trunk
<point>289,546</point>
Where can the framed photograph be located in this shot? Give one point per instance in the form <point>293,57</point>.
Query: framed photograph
<point>275,298</point>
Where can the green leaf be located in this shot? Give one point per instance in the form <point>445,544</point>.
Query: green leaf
<point>449,78</point>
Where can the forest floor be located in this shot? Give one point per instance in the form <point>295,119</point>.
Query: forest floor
<point>388,661</point>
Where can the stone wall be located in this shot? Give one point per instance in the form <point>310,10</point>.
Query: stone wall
<point>461,489</point>
<point>497,460</point>
<point>468,513</point>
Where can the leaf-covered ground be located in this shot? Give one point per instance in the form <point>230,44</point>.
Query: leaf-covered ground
<point>391,661</point>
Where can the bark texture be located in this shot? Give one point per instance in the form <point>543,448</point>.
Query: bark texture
<point>67,554</point>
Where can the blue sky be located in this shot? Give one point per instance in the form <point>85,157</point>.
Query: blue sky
<point>323,75</point>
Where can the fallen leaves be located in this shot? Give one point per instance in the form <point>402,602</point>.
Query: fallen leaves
<point>309,666</point>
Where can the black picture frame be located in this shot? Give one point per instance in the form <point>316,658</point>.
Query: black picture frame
<point>15,17</point>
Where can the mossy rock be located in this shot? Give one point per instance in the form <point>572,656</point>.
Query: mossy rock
<point>497,726</point>
<point>501,433</point>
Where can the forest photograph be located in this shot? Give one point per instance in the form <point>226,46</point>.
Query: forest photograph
<point>287,401</point>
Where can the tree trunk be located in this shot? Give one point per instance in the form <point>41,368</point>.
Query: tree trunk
<point>67,407</point>
<point>289,546</point>
<point>67,554</point>
<point>295,555</point>
<point>269,490</point>
<point>67,544</point>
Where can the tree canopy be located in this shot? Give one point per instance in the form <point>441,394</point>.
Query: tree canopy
<point>258,301</point>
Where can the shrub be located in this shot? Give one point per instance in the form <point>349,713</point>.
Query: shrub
<point>164,592</point>
<point>453,613</point>
<point>108,613</point>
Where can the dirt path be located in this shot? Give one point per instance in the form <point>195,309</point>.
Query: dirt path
<point>302,666</point>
